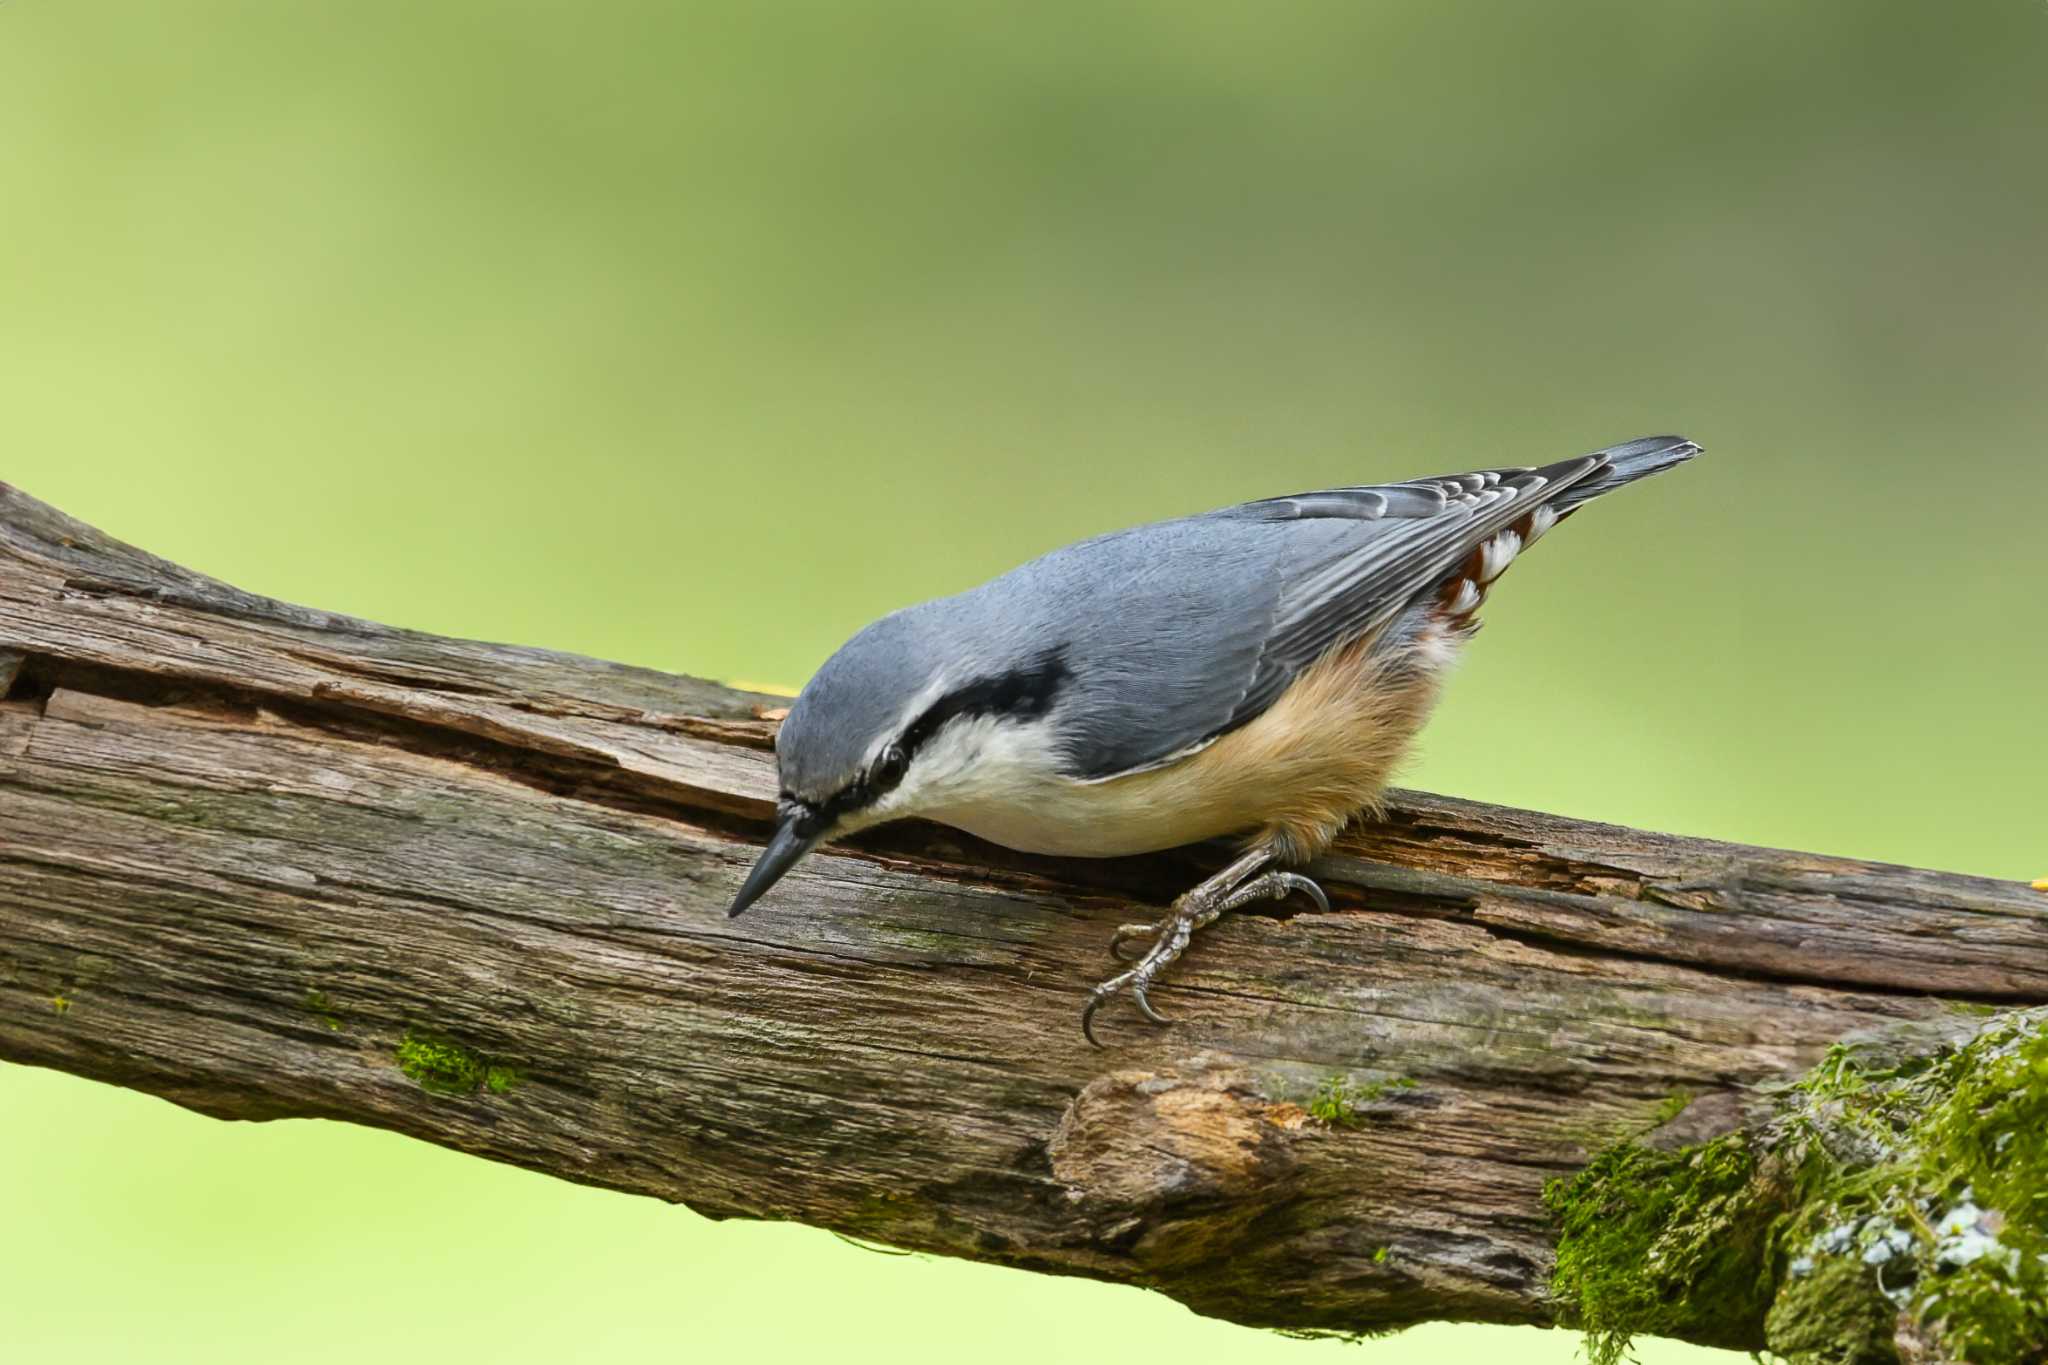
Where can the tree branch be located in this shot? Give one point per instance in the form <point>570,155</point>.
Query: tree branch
<point>266,861</point>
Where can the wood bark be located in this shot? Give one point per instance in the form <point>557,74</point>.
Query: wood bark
<point>253,856</point>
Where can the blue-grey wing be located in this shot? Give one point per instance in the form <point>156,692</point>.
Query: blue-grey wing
<point>1180,632</point>
<point>1414,536</point>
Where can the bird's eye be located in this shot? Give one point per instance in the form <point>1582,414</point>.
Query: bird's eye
<point>889,768</point>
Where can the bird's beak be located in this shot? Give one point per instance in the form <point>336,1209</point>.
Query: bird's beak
<point>797,832</point>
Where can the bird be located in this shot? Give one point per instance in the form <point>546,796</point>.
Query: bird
<point>1256,672</point>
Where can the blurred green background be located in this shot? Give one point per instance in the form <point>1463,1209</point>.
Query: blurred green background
<point>697,334</point>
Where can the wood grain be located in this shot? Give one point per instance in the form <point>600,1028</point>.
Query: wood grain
<point>248,849</point>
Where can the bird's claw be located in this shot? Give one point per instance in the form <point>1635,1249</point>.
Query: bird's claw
<point>1145,1005</point>
<point>1106,991</point>
<point>1277,886</point>
<point>1135,981</point>
<point>1309,887</point>
<point>1170,938</point>
<point>1095,999</point>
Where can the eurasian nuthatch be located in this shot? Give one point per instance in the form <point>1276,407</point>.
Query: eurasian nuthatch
<point>1255,671</point>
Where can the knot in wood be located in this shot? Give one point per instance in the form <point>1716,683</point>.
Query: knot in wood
<point>1171,1166</point>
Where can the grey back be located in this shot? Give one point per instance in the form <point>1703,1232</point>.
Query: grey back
<point>1143,644</point>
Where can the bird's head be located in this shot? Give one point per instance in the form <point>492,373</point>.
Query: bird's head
<point>895,724</point>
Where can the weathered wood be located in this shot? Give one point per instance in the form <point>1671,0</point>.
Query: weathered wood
<point>249,850</point>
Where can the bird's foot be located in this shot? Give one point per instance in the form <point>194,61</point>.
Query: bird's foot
<point>1271,886</point>
<point>1170,936</point>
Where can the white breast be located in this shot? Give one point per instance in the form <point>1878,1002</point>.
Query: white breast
<point>1088,820</point>
<point>1296,773</point>
<point>1000,780</point>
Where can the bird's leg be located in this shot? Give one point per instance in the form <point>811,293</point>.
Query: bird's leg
<point>1249,879</point>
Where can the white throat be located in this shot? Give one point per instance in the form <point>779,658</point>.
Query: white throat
<point>972,767</point>
<point>1000,779</point>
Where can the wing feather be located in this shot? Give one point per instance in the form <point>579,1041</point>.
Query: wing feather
<point>1421,531</point>
<point>1215,616</point>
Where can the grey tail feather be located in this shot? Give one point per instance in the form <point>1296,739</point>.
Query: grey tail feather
<point>1627,462</point>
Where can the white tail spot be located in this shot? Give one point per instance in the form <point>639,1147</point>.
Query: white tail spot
<point>1497,554</point>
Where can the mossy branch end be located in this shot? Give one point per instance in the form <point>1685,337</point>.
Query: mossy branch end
<point>1890,1208</point>
<point>268,862</point>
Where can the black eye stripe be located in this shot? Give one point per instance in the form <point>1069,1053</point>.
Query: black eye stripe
<point>1022,694</point>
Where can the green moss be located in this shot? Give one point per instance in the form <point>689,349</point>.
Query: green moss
<point>1938,1195</point>
<point>1887,1199</point>
<point>1665,1243</point>
<point>321,1007</point>
<point>1338,1100</point>
<point>444,1067</point>
<point>1670,1107</point>
<point>1833,1314</point>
